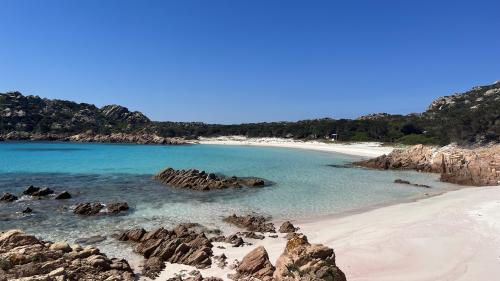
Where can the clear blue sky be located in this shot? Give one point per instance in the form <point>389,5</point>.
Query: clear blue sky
<point>245,61</point>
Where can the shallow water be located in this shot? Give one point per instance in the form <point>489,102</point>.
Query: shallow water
<point>308,184</point>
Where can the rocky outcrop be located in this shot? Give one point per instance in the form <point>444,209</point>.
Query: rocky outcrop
<point>255,265</point>
<point>125,138</point>
<point>24,257</point>
<point>202,181</point>
<point>304,261</point>
<point>251,223</point>
<point>92,209</point>
<point>287,227</point>
<point>181,245</point>
<point>475,166</point>
<point>8,197</point>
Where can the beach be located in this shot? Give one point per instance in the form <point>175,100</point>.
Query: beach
<point>453,236</point>
<point>365,149</point>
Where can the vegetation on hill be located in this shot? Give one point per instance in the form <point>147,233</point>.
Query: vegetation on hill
<point>466,118</point>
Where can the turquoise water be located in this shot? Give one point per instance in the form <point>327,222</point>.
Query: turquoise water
<point>308,184</point>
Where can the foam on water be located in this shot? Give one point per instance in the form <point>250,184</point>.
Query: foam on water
<point>308,184</point>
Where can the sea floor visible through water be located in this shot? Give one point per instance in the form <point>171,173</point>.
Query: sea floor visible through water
<point>308,184</point>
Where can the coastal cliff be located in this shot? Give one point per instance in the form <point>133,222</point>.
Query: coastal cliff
<point>474,166</point>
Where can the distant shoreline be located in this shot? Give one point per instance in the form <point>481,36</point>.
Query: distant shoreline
<point>364,149</point>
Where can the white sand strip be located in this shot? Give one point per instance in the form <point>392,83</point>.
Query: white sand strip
<point>366,149</point>
<point>454,236</point>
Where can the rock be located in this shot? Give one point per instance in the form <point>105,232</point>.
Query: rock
<point>235,240</point>
<point>152,267</point>
<point>36,260</point>
<point>114,208</point>
<point>255,264</point>
<point>63,195</point>
<point>251,223</point>
<point>463,166</point>
<point>202,181</point>
<point>8,197</point>
<point>400,181</point>
<point>42,192</point>
<point>132,235</point>
<point>287,227</point>
<point>303,261</point>
<point>30,190</point>
<point>88,209</point>
<point>60,246</point>
<point>181,245</point>
<point>28,210</point>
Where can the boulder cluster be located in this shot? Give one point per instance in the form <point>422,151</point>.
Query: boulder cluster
<point>475,166</point>
<point>202,181</point>
<point>182,245</point>
<point>24,257</point>
<point>251,223</point>
<point>92,209</point>
<point>38,192</point>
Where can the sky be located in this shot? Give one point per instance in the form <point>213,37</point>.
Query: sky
<point>249,61</point>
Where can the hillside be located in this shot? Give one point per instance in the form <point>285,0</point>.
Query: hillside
<point>472,117</point>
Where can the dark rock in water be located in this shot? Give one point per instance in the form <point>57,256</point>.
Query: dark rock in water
<point>88,209</point>
<point>202,181</point>
<point>43,260</point>
<point>304,261</point>
<point>235,240</point>
<point>28,210</point>
<point>251,223</point>
<point>340,166</point>
<point>400,181</point>
<point>255,265</point>
<point>30,190</point>
<point>8,197</point>
<point>91,240</point>
<point>114,208</point>
<point>180,245</point>
<point>287,227</point>
<point>43,192</point>
<point>63,195</point>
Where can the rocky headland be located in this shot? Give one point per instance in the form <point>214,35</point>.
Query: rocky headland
<point>466,166</point>
<point>202,181</point>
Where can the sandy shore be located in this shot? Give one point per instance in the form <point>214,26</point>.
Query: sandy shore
<point>366,149</point>
<point>453,236</point>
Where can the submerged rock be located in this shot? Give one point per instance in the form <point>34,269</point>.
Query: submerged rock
<point>28,210</point>
<point>401,181</point>
<point>202,181</point>
<point>24,257</point>
<point>38,191</point>
<point>304,261</point>
<point>251,223</point>
<point>8,197</point>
